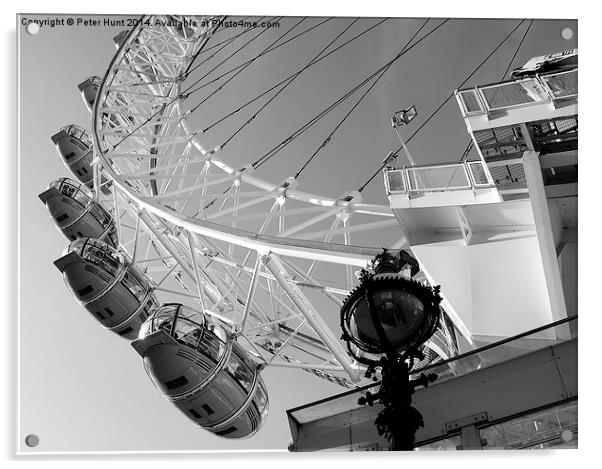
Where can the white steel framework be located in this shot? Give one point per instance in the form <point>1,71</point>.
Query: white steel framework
<point>272,261</point>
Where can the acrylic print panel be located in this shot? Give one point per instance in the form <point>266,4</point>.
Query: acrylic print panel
<point>199,194</point>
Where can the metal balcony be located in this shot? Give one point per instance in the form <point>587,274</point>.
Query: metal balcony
<point>469,175</point>
<point>552,88</point>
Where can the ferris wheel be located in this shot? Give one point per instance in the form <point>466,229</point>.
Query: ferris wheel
<point>213,271</point>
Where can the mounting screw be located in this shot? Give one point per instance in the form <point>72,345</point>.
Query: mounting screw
<point>566,436</point>
<point>32,440</point>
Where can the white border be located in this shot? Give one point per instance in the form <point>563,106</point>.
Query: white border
<point>590,226</point>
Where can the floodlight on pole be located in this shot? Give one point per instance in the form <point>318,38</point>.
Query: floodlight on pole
<point>403,118</point>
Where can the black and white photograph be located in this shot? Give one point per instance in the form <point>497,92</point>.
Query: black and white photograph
<point>283,233</point>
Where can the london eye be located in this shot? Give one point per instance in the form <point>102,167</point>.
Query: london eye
<point>197,228</point>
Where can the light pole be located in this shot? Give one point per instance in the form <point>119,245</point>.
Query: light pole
<point>404,117</point>
<point>385,321</point>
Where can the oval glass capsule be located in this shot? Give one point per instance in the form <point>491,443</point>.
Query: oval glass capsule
<point>74,145</point>
<point>195,363</point>
<point>89,89</point>
<point>108,285</point>
<point>76,213</point>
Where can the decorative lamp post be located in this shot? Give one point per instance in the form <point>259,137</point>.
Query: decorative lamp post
<point>385,321</point>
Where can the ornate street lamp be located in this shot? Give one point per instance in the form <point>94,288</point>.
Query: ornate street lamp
<point>385,321</point>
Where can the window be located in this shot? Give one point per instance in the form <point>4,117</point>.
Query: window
<point>85,290</point>
<point>99,213</point>
<point>99,315</point>
<point>194,413</point>
<point>227,431</point>
<point>261,397</point>
<point>125,331</point>
<point>176,383</point>
<point>207,409</point>
<point>188,332</point>
<point>109,312</point>
<point>451,443</point>
<point>396,181</point>
<point>553,427</point>
<point>237,367</point>
<point>106,257</point>
<point>470,100</point>
<point>162,323</point>
<point>504,95</point>
<point>562,84</point>
<point>63,217</point>
<point>135,283</point>
<point>501,141</point>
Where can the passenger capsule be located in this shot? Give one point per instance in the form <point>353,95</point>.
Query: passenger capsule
<point>112,289</point>
<point>89,89</point>
<point>74,145</point>
<point>76,213</point>
<point>208,376</point>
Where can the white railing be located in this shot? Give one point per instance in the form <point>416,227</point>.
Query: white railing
<point>518,93</point>
<point>438,178</point>
<point>561,85</point>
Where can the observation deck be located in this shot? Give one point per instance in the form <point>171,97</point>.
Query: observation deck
<point>499,233</point>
